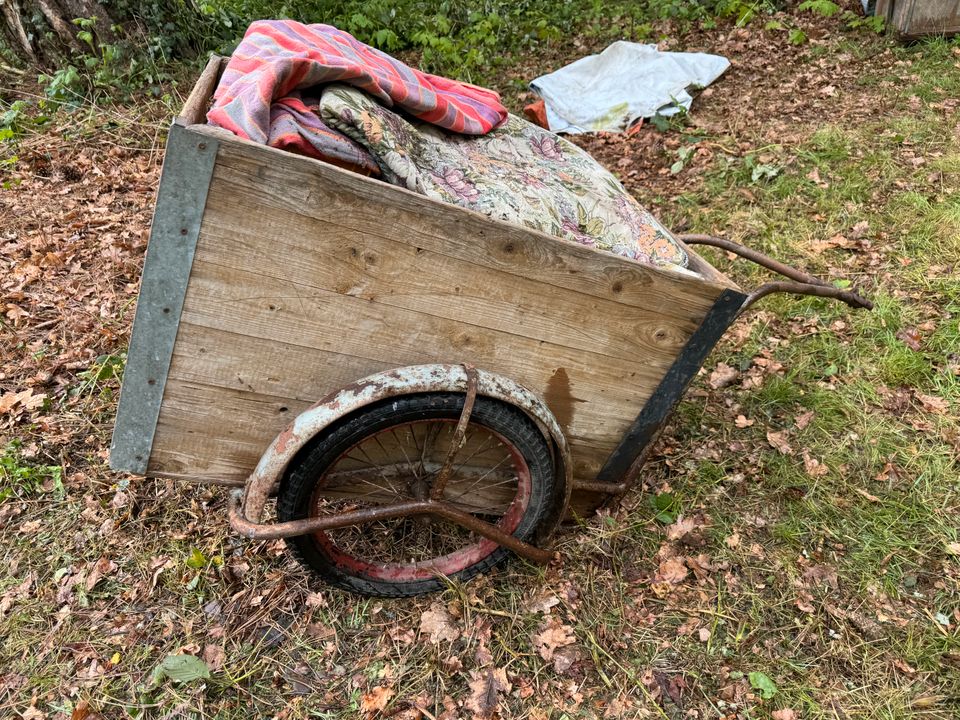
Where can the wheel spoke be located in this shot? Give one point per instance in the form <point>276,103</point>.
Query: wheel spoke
<point>389,465</point>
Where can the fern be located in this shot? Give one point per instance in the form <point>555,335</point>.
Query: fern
<point>827,8</point>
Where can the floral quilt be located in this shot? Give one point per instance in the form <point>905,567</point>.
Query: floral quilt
<point>518,172</point>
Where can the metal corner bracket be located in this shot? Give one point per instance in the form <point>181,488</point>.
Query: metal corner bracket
<point>184,181</point>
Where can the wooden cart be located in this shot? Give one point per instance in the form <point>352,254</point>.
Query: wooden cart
<point>273,281</point>
<point>913,19</point>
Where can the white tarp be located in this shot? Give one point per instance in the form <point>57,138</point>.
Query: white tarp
<point>625,82</point>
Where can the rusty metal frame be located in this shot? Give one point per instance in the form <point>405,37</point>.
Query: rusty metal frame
<point>620,469</point>
<point>803,283</point>
<point>247,507</point>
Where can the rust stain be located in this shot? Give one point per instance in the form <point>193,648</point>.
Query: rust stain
<point>284,439</point>
<point>559,398</point>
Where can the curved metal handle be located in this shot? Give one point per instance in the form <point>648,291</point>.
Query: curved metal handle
<point>803,284</point>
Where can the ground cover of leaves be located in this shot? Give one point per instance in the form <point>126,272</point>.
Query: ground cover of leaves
<point>793,551</point>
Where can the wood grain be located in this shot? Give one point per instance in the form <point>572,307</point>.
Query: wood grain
<point>195,108</point>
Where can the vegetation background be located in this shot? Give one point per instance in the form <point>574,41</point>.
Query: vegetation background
<point>793,550</point>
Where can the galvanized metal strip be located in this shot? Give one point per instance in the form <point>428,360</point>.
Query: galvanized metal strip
<point>184,181</point>
<point>658,407</point>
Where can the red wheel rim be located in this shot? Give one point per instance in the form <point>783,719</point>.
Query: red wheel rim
<point>447,564</point>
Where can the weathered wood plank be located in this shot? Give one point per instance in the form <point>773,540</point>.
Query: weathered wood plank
<point>247,303</point>
<point>302,186</point>
<point>325,255</point>
<point>215,434</point>
<point>916,18</point>
<point>195,108</point>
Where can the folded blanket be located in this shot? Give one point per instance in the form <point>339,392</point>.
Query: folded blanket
<point>257,99</point>
<point>519,172</point>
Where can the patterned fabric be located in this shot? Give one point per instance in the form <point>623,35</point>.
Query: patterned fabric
<point>519,173</point>
<point>257,99</point>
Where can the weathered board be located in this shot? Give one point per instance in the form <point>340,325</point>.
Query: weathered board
<point>303,277</point>
<point>917,18</point>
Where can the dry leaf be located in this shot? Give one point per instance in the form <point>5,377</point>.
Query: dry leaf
<point>102,567</point>
<point>778,440</point>
<point>11,399</point>
<point>680,528</point>
<point>552,635</point>
<point>672,570</point>
<point>933,404</point>
<point>438,624</point>
<point>742,422</point>
<point>723,376</point>
<point>910,337</point>
<point>315,599</point>
<point>904,666</point>
<point>733,541</point>
<point>803,419</point>
<point>822,574</point>
<point>953,548</point>
<point>704,634</point>
<point>541,603</point>
<point>375,700</point>
<point>785,714</point>
<point>860,229</point>
<point>921,703</point>
<point>214,656</point>
<point>868,496</point>
<point>813,466</point>
<point>485,689</point>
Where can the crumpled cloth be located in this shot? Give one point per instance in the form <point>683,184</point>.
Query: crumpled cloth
<point>627,81</point>
<point>265,92</point>
<point>519,173</point>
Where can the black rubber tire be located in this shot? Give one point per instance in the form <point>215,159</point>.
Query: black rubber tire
<point>299,482</point>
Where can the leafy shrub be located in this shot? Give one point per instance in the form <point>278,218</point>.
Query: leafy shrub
<point>462,38</point>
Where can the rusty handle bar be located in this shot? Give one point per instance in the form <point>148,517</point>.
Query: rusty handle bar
<point>274,531</point>
<point>803,284</point>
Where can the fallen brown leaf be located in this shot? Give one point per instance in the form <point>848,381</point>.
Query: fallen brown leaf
<point>438,624</point>
<point>868,496</point>
<point>672,570</point>
<point>814,467</point>
<point>933,404</point>
<point>778,440</point>
<point>552,635</point>
<point>375,700</point>
<point>485,689</point>
<point>682,527</point>
<point>723,376</point>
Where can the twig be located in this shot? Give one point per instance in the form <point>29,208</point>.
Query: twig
<point>15,71</point>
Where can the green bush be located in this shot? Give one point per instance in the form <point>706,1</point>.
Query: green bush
<point>462,38</point>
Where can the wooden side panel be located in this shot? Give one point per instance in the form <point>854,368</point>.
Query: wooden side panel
<point>195,108</point>
<point>307,278</point>
<point>917,18</point>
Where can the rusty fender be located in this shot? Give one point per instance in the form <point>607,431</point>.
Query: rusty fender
<point>394,383</point>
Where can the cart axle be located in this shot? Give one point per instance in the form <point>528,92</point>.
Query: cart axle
<point>432,508</point>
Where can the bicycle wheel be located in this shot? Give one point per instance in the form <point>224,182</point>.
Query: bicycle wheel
<point>391,452</point>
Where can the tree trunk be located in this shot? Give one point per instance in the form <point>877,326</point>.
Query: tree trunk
<point>26,25</point>
<point>15,33</point>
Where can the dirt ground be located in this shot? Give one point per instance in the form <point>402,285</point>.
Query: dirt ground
<point>791,552</point>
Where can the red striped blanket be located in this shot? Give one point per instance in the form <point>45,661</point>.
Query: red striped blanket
<point>259,96</point>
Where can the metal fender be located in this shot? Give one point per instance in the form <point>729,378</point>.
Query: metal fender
<point>393,383</point>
